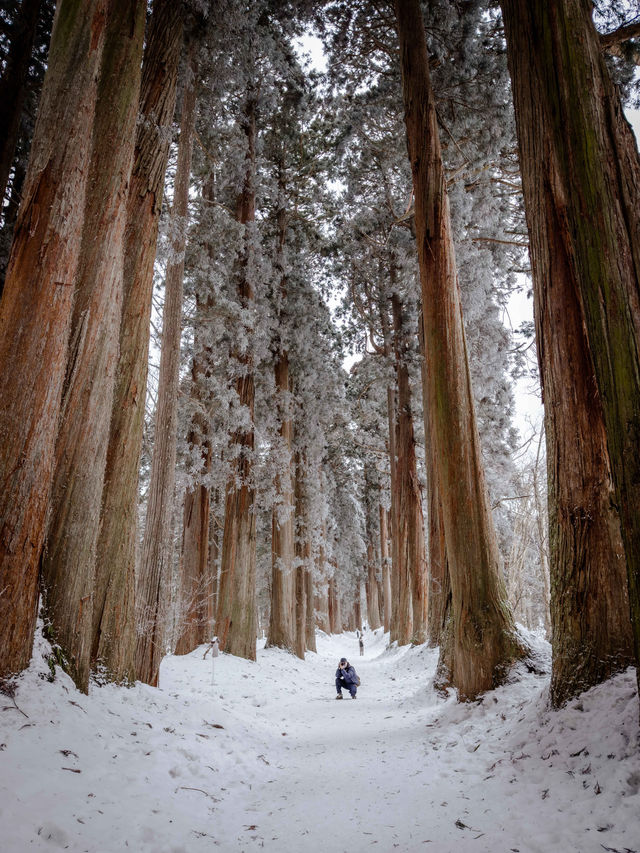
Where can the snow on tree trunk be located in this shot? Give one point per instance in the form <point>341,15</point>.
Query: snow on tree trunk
<point>156,547</point>
<point>114,634</point>
<point>13,84</point>
<point>35,313</point>
<point>236,616</point>
<point>581,180</point>
<point>482,641</point>
<point>302,555</point>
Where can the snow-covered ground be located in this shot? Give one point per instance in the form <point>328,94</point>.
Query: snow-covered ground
<point>266,759</point>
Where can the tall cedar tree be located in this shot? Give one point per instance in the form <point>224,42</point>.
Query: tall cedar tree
<point>113,611</point>
<point>581,180</point>
<point>68,563</point>
<point>151,589</point>
<point>236,619</point>
<point>482,642</point>
<point>287,584</point>
<point>35,313</point>
<point>196,570</point>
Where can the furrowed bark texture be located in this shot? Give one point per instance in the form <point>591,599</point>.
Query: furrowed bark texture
<point>321,593</point>
<point>114,636</point>
<point>386,566</point>
<point>281,631</point>
<point>35,313</point>
<point>236,620</point>
<point>483,639</point>
<point>411,546</point>
<point>581,181</point>
<point>68,563</point>
<point>310,620</point>
<point>439,586</point>
<point>335,615</point>
<point>371,520</point>
<point>194,566</point>
<point>13,85</point>
<point>156,547</point>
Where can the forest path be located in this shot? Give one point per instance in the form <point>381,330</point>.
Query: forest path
<point>378,773</point>
<point>345,775</point>
<point>261,757</point>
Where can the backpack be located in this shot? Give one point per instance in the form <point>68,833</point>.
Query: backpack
<point>358,682</point>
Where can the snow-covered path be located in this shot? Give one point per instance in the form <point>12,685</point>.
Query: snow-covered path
<point>266,759</point>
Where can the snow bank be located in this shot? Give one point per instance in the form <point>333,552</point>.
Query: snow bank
<point>266,759</point>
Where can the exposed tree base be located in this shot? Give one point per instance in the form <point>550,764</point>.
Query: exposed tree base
<point>479,658</point>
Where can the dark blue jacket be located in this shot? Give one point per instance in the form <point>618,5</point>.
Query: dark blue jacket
<point>349,674</point>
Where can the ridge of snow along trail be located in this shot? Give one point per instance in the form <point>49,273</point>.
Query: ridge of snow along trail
<point>266,759</point>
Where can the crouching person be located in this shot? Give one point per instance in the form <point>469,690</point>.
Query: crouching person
<point>346,677</point>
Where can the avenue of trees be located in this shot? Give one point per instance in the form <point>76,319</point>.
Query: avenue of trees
<point>198,227</point>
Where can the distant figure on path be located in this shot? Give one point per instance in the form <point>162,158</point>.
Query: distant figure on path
<point>361,643</point>
<point>347,677</point>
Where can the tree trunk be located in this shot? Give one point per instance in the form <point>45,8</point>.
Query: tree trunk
<point>154,568</point>
<point>386,566</point>
<point>303,557</point>
<point>335,617</point>
<point>394,574</point>
<point>69,559</point>
<point>281,631</point>
<point>483,639</point>
<point>310,629</point>
<point>371,584</point>
<point>439,585</point>
<point>301,613</point>
<point>321,596</point>
<point>114,630</point>
<point>214,564</point>
<point>581,181</point>
<point>13,85</point>
<point>236,620</point>
<point>195,578</point>
<point>411,547</point>
<point>35,313</point>
<point>194,574</point>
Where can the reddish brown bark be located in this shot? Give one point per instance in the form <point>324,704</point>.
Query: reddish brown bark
<point>412,568</point>
<point>68,563</point>
<point>113,615</point>
<point>236,616</point>
<point>281,631</point>
<point>335,614</point>
<point>194,571</point>
<point>386,566</point>
<point>310,624</point>
<point>35,313</point>
<point>155,562</point>
<point>581,181</point>
<point>483,642</point>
